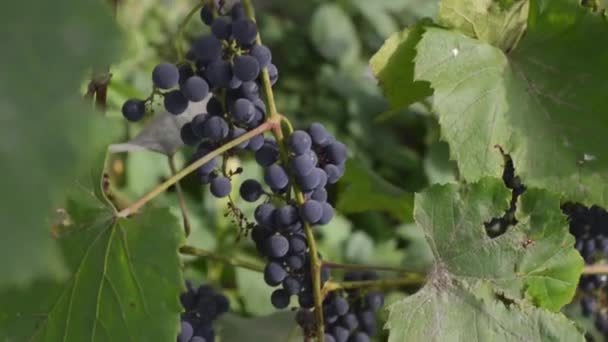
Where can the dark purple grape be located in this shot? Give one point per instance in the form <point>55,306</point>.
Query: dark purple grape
<point>195,89</point>
<point>256,143</point>
<point>234,83</point>
<point>340,333</point>
<point>251,190</point>
<point>299,142</point>
<point>236,133</point>
<point>374,300</point>
<point>309,182</point>
<point>220,187</point>
<point>188,136</point>
<point>349,321</point>
<point>291,285</point>
<point>207,49</point>
<point>134,110</point>
<point>306,300</point>
<point>273,74</point>
<point>264,214</point>
<point>250,90</point>
<point>302,165</point>
<point>246,68</point>
<point>311,211</point>
<point>242,110</point>
<point>274,273</point>
<point>333,173</point>
<point>165,76</point>
<point>219,74</point>
<point>360,337</point>
<point>287,215</point>
<point>185,333</point>
<point>367,322</point>
<point>328,213</point>
<point>244,31</point>
<point>221,28</point>
<point>341,305</point>
<point>237,12</point>
<point>260,233</point>
<point>329,338</point>
<point>185,72</point>
<point>279,299</point>
<point>198,123</point>
<point>295,262</point>
<point>268,154</point>
<point>276,177</point>
<point>337,153</point>
<point>262,54</point>
<point>588,305</point>
<point>175,102</point>
<point>297,244</point>
<point>215,128</point>
<point>207,15</point>
<point>320,195</point>
<point>276,246</point>
<point>319,134</point>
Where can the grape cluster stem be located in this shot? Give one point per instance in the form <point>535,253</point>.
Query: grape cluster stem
<point>180,198</point>
<point>252,266</point>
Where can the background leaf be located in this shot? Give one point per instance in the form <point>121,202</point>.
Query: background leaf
<point>277,327</point>
<point>45,130</point>
<point>333,34</point>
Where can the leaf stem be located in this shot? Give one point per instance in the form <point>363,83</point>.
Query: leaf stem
<point>268,125</point>
<point>189,250</point>
<point>366,267</point>
<point>181,28</point>
<point>596,269</point>
<point>180,198</point>
<point>315,263</point>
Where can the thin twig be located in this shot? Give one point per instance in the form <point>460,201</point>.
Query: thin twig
<point>180,31</point>
<point>381,283</point>
<point>180,198</point>
<point>189,250</point>
<point>366,267</point>
<point>268,125</point>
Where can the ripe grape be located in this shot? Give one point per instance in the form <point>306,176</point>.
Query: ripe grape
<point>195,89</point>
<point>214,107</point>
<point>220,187</point>
<point>268,154</point>
<point>134,110</point>
<point>328,214</point>
<point>221,28</point>
<point>207,49</point>
<point>276,177</point>
<point>219,74</point>
<point>262,54</point>
<point>264,214</point>
<point>237,12</point>
<point>256,143</point>
<point>165,76</point>
<point>175,102</point>
<point>311,211</point>
<point>206,15</point>
<point>337,153</point>
<point>274,273</point>
<point>287,215</point>
<point>237,132</point>
<point>215,128</point>
<point>187,135</point>
<point>273,74</point>
<point>279,299</point>
<point>297,244</point>
<point>246,68</point>
<point>319,134</point>
<point>242,110</point>
<point>244,31</point>
<point>276,246</point>
<point>291,285</point>
<point>319,194</point>
<point>251,190</point>
<point>302,165</point>
<point>186,332</point>
<point>299,142</point>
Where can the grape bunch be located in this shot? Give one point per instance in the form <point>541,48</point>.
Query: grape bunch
<point>202,306</point>
<point>589,225</point>
<point>314,160</point>
<point>350,315</point>
<point>226,64</point>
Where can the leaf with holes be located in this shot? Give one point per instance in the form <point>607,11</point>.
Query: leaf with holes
<point>541,103</point>
<point>124,285</point>
<point>502,286</point>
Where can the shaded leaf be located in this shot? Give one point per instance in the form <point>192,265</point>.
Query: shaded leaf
<point>124,285</point>
<point>276,327</point>
<point>333,34</point>
<point>46,131</point>
<point>364,190</point>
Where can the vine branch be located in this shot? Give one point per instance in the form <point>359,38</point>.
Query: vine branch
<point>189,250</point>
<point>596,269</point>
<point>336,265</point>
<point>381,283</point>
<point>180,30</point>
<point>315,263</point>
<point>268,125</point>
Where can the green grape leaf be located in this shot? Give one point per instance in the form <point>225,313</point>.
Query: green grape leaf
<point>124,285</point>
<point>393,66</point>
<point>333,34</point>
<point>363,189</point>
<point>46,131</point>
<point>495,22</point>
<point>254,292</point>
<point>506,287</point>
<point>540,103</point>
